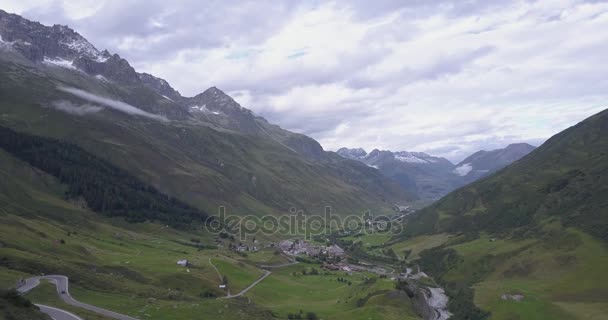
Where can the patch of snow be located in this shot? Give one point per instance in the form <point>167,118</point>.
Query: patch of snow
<point>414,157</point>
<point>204,109</point>
<point>410,159</point>
<point>168,98</point>
<point>373,166</point>
<point>463,170</point>
<point>101,59</point>
<point>81,46</point>
<point>58,62</point>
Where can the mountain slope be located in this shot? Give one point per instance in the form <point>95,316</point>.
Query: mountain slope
<point>424,175</point>
<point>482,163</point>
<point>564,178</point>
<point>530,241</point>
<point>206,150</point>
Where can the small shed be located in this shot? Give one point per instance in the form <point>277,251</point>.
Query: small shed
<point>183,263</point>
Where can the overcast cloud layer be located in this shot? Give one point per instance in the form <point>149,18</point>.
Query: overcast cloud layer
<point>435,76</point>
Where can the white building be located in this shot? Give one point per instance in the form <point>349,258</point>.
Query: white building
<point>183,263</point>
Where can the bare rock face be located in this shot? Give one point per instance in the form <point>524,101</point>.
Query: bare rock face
<point>217,107</point>
<point>36,41</point>
<point>113,67</point>
<point>161,86</point>
<point>39,43</point>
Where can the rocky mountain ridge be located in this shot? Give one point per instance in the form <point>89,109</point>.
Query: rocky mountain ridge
<point>432,177</point>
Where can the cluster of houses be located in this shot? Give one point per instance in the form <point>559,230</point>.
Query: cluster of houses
<point>241,247</point>
<point>300,247</point>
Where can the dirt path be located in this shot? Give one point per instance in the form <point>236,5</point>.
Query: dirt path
<point>229,296</point>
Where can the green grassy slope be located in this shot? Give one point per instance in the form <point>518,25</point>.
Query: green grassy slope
<point>131,268</point>
<point>565,177</point>
<point>538,228</point>
<point>560,275</point>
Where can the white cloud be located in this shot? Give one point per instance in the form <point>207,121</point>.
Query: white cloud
<point>443,77</point>
<point>80,110</point>
<point>114,104</point>
<point>463,170</point>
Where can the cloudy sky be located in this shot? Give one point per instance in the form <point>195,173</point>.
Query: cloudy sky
<point>443,77</point>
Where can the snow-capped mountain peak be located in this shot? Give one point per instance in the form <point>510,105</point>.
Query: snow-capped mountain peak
<point>414,157</point>
<point>355,153</point>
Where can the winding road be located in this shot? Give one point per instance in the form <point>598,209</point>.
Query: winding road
<point>58,314</point>
<point>62,284</point>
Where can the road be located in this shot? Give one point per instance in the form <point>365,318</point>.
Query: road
<point>58,314</point>
<point>229,296</point>
<point>62,284</point>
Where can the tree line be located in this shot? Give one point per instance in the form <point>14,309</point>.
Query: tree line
<point>107,189</point>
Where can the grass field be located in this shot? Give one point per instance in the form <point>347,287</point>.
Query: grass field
<point>239,274</point>
<point>560,272</point>
<point>267,256</point>
<point>371,239</point>
<point>418,244</point>
<point>287,289</point>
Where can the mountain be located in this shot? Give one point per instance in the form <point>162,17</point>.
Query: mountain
<point>205,150</point>
<point>563,178</point>
<point>432,177</point>
<point>424,175</point>
<point>356,153</point>
<point>532,236</point>
<point>482,163</point>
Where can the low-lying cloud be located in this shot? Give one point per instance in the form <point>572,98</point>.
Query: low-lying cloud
<point>79,110</point>
<point>114,104</point>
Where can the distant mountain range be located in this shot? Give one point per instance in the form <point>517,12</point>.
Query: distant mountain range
<point>206,150</point>
<point>433,177</point>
